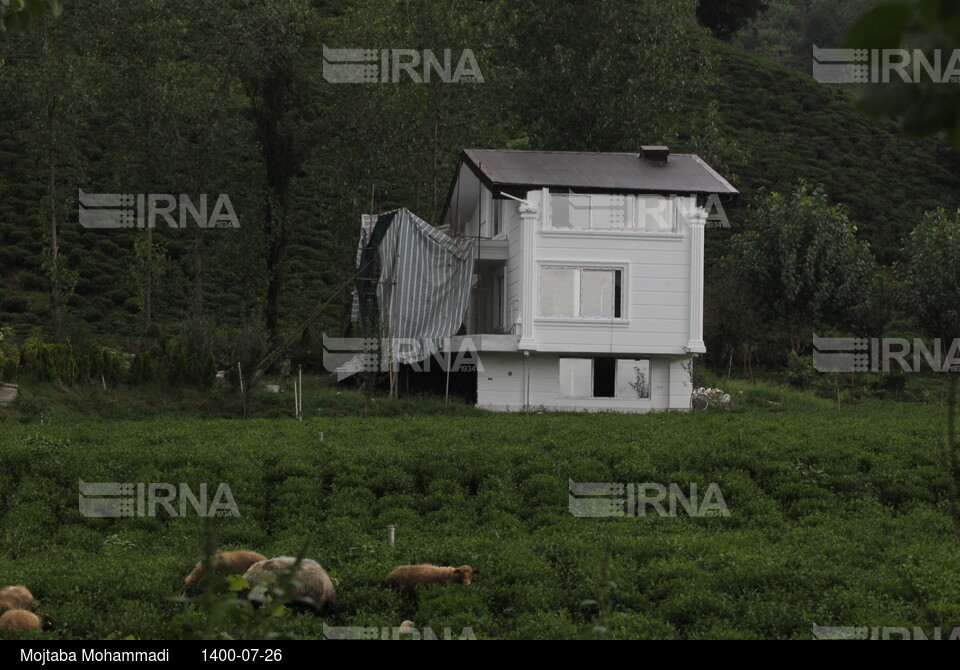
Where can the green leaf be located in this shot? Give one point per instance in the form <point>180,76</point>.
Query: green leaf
<point>237,583</point>
<point>880,28</point>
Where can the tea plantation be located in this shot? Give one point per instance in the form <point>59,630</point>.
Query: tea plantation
<point>837,517</point>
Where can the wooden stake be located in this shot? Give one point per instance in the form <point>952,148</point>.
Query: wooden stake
<point>447,397</point>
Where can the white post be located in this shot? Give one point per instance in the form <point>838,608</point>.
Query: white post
<point>529,217</point>
<point>696,221</point>
<point>300,395</point>
<point>296,402</point>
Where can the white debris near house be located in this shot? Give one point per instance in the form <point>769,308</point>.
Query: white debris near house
<point>8,393</point>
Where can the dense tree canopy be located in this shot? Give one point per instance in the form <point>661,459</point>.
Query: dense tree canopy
<point>209,98</point>
<point>727,17</point>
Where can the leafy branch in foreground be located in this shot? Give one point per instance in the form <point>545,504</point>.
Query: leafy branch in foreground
<point>236,610</point>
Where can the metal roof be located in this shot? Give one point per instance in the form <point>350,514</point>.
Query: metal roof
<point>625,172</point>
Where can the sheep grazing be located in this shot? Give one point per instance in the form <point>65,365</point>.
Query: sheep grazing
<point>313,581</point>
<point>15,598</point>
<point>409,577</point>
<point>19,620</point>
<point>227,563</point>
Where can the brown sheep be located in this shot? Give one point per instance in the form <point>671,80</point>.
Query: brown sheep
<point>227,563</point>
<point>313,581</point>
<point>408,577</point>
<point>15,598</point>
<point>19,620</point>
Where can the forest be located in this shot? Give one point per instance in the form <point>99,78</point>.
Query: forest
<point>206,98</point>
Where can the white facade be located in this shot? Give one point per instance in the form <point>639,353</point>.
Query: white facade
<point>586,301</point>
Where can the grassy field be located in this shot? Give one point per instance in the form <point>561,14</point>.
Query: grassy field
<point>837,518</point>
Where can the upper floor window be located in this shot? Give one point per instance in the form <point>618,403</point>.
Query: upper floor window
<point>643,213</point>
<point>567,292</point>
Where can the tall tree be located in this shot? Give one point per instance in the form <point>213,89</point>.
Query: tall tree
<point>274,71</point>
<point>801,257</point>
<point>930,273</point>
<point>725,18</point>
<point>52,81</point>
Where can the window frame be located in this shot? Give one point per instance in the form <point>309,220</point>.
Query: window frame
<point>616,382</point>
<point>633,216</point>
<point>620,287</point>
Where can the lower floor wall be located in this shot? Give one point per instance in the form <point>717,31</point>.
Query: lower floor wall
<point>512,381</point>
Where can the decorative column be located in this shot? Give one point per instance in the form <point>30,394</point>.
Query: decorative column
<point>529,216</point>
<point>696,222</point>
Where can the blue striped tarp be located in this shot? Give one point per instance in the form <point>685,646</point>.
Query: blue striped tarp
<point>422,279</point>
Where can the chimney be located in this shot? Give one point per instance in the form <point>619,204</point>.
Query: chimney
<point>654,154</point>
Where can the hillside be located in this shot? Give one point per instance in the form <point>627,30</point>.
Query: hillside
<point>789,126</point>
<point>775,125</point>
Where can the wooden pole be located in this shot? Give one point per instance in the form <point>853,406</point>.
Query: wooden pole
<point>296,402</point>
<point>447,396</point>
<point>242,392</point>
<point>300,396</point>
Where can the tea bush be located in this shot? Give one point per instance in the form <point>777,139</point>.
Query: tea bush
<point>836,517</point>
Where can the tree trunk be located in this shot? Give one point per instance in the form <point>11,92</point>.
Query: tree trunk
<point>198,257</point>
<point>52,188</point>
<point>54,233</point>
<point>148,283</point>
<point>276,245</point>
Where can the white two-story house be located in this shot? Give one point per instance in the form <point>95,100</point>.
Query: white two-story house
<point>587,292</point>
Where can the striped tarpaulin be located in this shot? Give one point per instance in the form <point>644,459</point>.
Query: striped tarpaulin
<point>423,286</point>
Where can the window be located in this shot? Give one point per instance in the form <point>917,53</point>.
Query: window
<point>633,378</point>
<point>581,292</point>
<point>500,301</point>
<point>614,212</point>
<point>576,378</point>
<point>610,212</point>
<point>570,211</point>
<point>655,214</point>
<point>604,377</point>
<point>582,211</point>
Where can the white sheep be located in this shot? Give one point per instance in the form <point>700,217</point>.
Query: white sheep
<point>19,620</point>
<point>226,563</point>
<point>312,580</point>
<point>16,598</point>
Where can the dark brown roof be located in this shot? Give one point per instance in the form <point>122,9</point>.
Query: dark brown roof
<point>625,172</point>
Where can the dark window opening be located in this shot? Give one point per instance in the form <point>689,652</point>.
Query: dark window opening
<point>604,377</point>
<point>617,295</point>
